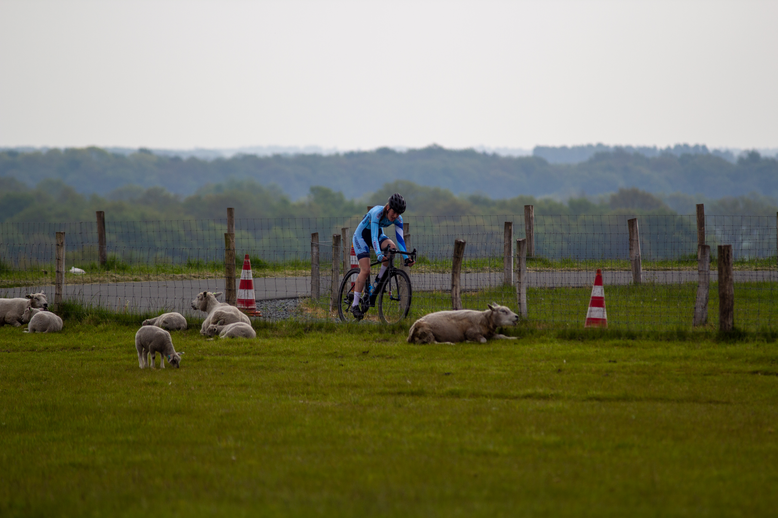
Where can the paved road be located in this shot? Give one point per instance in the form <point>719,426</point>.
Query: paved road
<point>176,295</point>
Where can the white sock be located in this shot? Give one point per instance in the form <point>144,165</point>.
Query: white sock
<point>357,296</point>
<point>381,271</point>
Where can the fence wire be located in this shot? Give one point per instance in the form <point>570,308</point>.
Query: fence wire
<point>153,266</point>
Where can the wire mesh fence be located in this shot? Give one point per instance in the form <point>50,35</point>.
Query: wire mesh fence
<point>162,265</point>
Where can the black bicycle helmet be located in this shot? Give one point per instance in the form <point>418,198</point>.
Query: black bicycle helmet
<point>397,203</point>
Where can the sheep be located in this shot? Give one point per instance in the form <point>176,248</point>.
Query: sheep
<point>11,309</point>
<point>170,321</point>
<point>234,330</point>
<point>152,340</point>
<point>465,324</point>
<point>41,321</point>
<point>217,311</point>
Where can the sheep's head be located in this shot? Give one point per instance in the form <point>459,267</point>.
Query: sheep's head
<point>148,322</point>
<point>175,359</point>
<point>212,330</point>
<point>502,316</point>
<point>38,300</point>
<point>200,301</point>
<point>28,312</point>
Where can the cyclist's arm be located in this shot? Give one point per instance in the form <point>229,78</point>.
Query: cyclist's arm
<point>400,235</point>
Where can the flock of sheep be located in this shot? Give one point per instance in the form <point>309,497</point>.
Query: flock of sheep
<point>31,310</point>
<point>229,322</point>
<point>153,336</point>
<point>221,319</point>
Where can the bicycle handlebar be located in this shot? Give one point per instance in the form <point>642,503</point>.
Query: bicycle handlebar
<point>393,251</point>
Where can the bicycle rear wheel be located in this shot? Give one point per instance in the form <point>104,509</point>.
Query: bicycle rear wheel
<point>346,295</point>
<point>394,301</point>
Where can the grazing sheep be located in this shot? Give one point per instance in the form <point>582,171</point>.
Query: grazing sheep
<point>170,321</point>
<point>234,330</point>
<point>465,324</point>
<point>217,311</point>
<point>11,309</point>
<point>41,321</point>
<point>150,340</point>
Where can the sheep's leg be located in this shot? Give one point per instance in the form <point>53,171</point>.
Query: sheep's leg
<point>475,336</point>
<point>503,337</point>
<point>141,360</point>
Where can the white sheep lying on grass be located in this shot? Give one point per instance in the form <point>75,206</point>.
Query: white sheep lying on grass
<point>150,340</point>
<point>217,311</point>
<point>41,321</point>
<point>11,310</point>
<point>465,324</point>
<point>171,321</point>
<point>234,330</point>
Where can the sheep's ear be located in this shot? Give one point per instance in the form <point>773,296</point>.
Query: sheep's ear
<point>182,352</point>
<point>491,306</point>
<point>217,294</point>
<point>29,295</point>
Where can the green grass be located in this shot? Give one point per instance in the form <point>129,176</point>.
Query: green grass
<point>331,420</point>
<point>644,308</point>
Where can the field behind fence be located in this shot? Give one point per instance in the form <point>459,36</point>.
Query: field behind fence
<point>542,266</point>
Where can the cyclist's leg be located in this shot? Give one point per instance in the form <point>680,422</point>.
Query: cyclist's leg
<point>385,243</point>
<point>362,247</point>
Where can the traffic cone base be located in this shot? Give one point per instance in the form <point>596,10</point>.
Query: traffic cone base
<point>596,316</point>
<point>246,300</point>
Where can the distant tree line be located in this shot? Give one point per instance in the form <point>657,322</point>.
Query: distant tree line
<point>576,154</point>
<point>683,170</point>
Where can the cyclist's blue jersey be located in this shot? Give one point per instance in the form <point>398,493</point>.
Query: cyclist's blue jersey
<point>375,227</point>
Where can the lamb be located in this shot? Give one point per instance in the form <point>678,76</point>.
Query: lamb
<point>217,311</point>
<point>170,321</point>
<point>41,321</point>
<point>465,324</point>
<point>11,310</point>
<point>234,330</point>
<point>152,340</point>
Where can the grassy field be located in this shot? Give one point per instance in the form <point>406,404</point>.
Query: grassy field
<point>351,421</point>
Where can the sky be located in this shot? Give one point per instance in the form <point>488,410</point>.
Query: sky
<point>174,74</point>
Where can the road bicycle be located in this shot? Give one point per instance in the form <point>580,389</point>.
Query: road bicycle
<point>391,294</point>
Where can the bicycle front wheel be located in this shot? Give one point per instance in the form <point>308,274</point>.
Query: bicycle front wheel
<point>346,295</point>
<point>394,301</point>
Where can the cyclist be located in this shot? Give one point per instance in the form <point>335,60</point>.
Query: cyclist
<point>369,234</point>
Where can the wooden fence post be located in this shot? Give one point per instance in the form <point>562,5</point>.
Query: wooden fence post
<point>59,278</point>
<point>726,289</point>
<point>315,265</point>
<point>521,277</point>
<point>230,220</point>
<point>703,284</point>
<point>507,252</point>
<point>634,251</point>
<point>102,251</point>
<point>529,229</point>
<point>700,227</point>
<point>456,269</point>
<point>335,279</point>
<point>230,292</point>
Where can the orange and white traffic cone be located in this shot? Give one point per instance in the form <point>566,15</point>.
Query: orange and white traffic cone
<point>246,299</point>
<point>353,258</point>
<point>354,264</point>
<point>596,316</point>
